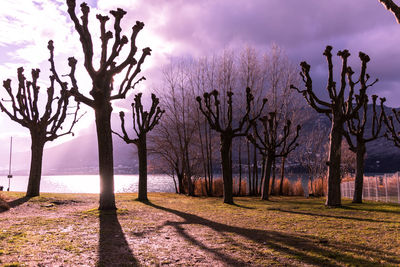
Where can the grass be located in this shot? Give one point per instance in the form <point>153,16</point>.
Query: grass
<point>177,230</point>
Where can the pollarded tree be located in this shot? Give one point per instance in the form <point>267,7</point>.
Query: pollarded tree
<point>143,122</point>
<point>25,110</point>
<point>392,7</point>
<point>338,109</point>
<point>215,117</point>
<point>356,128</point>
<point>103,84</point>
<point>272,147</point>
<point>391,123</point>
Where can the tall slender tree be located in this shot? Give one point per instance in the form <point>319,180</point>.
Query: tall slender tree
<point>103,84</point>
<point>143,122</point>
<point>212,111</point>
<point>313,155</point>
<point>25,109</point>
<point>271,147</point>
<point>356,128</point>
<point>338,109</point>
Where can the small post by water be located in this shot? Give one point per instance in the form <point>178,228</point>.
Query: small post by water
<point>9,167</point>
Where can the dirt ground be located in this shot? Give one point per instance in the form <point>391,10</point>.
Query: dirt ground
<point>172,230</point>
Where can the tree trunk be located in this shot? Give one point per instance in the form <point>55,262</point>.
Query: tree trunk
<point>254,169</point>
<point>249,169</point>
<point>282,176</point>
<point>176,187</point>
<point>334,197</point>
<point>358,183</point>
<point>142,155</point>
<point>188,172</point>
<point>106,159</point>
<point>265,184</point>
<point>240,167</point>
<point>273,177</point>
<point>179,175</point>
<point>210,161</point>
<point>258,188</point>
<point>35,173</point>
<point>226,144</point>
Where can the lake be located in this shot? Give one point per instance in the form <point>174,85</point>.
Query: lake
<point>90,183</point>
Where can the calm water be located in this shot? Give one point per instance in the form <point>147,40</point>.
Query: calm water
<point>90,183</point>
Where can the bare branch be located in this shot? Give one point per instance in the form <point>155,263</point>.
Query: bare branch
<point>392,7</point>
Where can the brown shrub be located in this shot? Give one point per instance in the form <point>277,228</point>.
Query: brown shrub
<point>319,187</point>
<point>297,188</point>
<point>289,188</point>
<point>243,188</point>
<point>286,187</point>
<point>200,187</point>
<point>218,187</point>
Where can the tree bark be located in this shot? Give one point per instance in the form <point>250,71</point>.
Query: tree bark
<point>265,184</point>
<point>258,188</point>
<point>249,169</point>
<point>273,177</point>
<point>255,169</point>
<point>282,176</point>
<point>210,162</point>
<point>359,181</point>
<point>334,197</point>
<point>240,168</point>
<point>181,187</point>
<point>142,155</point>
<point>35,173</point>
<point>106,159</point>
<point>226,144</point>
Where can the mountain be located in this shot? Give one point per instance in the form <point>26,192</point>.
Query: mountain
<point>382,155</point>
<point>79,155</point>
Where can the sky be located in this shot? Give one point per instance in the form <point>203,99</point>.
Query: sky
<point>182,28</point>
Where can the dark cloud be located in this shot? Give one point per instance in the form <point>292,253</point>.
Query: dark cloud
<point>302,28</point>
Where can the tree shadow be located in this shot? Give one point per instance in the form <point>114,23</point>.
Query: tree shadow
<point>113,250</point>
<point>367,207</point>
<point>242,206</point>
<point>15,203</point>
<point>308,249</point>
<point>334,216</point>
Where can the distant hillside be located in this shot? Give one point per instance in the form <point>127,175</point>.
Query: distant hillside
<point>382,155</point>
<point>80,154</point>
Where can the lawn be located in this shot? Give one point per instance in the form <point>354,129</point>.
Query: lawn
<point>68,230</point>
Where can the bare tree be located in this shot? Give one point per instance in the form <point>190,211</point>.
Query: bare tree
<point>392,7</point>
<point>279,74</point>
<point>222,123</point>
<point>200,78</point>
<point>25,110</point>
<point>356,128</point>
<point>314,152</point>
<point>143,122</point>
<point>178,125</point>
<point>338,110</point>
<point>103,84</point>
<point>391,122</point>
<point>271,147</point>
